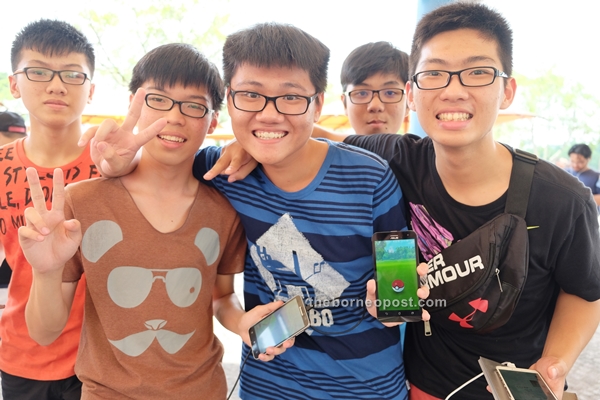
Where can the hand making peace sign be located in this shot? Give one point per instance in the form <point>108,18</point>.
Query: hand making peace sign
<point>113,147</point>
<point>47,240</point>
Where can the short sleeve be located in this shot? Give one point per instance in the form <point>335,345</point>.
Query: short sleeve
<point>234,253</point>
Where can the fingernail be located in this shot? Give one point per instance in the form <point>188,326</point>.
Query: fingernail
<point>45,231</point>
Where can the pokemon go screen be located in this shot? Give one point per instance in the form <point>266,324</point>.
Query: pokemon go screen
<point>396,274</point>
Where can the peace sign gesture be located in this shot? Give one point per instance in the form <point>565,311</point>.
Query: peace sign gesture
<point>47,240</point>
<point>114,147</point>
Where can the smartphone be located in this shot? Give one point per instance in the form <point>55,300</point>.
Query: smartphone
<point>286,322</point>
<point>395,260</point>
<point>524,384</point>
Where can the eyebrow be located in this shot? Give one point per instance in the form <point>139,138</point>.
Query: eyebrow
<point>394,82</point>
<point>468,60</point>
<point>286,85</point>
<point>46,65</point>
<point>193,97</point>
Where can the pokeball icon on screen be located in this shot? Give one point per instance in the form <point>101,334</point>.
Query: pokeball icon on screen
<point>398,286</point>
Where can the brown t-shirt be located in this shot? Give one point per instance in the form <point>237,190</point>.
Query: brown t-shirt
<point>147,330</point>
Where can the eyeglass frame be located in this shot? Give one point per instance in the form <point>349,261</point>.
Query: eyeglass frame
<point>206,109</point>
<point>309,100</point>
<point>373,95</point>
<point>497,73</point>
<point>54,72</point>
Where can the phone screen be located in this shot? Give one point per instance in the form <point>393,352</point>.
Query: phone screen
<point>395,256</point>
<point>525,385</point>
<point>287,321</point>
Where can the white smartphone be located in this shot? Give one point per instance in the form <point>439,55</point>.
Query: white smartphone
<point>524,384</point>
<point>286,322</point>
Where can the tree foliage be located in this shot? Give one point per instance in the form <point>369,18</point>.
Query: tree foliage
<point>4,88</point>
<point>122,38</point>
<point>565,114</point>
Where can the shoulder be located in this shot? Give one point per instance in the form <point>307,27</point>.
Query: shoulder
<point>355,155</point>
<point>552,182</point>
<point>97,188</point>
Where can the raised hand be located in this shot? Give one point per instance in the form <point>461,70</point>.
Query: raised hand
<point>47,240</point>
<point>113,147</point>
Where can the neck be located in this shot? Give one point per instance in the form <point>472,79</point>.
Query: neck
<point>163,179</point>
<point>49,147</point>
<point>474,176</point>
<point>300,169</point>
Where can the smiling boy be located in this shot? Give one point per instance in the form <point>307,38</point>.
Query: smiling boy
<point>53,65</point>
<point>159,257</point>
<point>461,65</point>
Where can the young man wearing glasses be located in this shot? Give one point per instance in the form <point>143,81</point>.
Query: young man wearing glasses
<point>158,249</point>
<point>461,62</point>
<point>53,65</point>
<point>373,79</point>
<point>309,212</point>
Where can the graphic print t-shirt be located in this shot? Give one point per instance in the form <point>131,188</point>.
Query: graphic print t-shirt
<point>19,354</point>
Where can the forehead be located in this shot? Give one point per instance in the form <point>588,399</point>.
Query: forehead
<point>459,48</point>
<point>273,78</point>
<point>33,58</point>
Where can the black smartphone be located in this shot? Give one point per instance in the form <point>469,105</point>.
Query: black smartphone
<point>524,384</point>
<point>395,260</point>
<point>287,321</point>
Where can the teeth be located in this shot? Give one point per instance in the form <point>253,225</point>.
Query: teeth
<point>454,116</point>
<point>269,135</point>
<point>171,138</point>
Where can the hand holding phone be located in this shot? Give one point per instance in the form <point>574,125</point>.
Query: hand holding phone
<point>395,260</point>
<point>286,322</point>
<point>524,384</point>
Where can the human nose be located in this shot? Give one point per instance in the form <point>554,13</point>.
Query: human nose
<point>375,104</point>
<point>56,85</point>
<point>175,116</point>
<point>455,89</point>
<point>269,112</point>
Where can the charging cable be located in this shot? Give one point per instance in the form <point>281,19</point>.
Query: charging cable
<point>463,385</point>
<point>508,364</point>
<point>239,374</point>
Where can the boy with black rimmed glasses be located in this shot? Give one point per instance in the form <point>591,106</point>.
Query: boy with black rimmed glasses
<point>159,257</point>
<point>53,65</point>
<point>309,212</point>
<point>373,78</point>
<point>461,65</point>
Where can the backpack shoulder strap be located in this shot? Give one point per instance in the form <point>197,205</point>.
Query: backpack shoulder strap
<point>521,177</point>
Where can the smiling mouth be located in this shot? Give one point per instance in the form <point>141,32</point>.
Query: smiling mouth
<point>457,116</point>
<point>269,135</point>
<point>174,139</point>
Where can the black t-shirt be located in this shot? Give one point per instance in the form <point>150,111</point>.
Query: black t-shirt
<point>563,248</point>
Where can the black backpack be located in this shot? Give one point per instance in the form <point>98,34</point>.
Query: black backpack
<point>480,278</point>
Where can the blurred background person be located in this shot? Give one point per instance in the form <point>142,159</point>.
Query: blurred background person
<point>580,155</point>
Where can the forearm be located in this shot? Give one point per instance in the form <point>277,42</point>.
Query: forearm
<point>597,199</point>
<point>229,312</point>
<point>574,323</point>
<point>47,310</point>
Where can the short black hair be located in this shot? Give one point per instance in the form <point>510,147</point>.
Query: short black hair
<point>373,58</point>
<point>582,149</point>
<point>52,37</point>
<point>462,15</point>
<point>179,63</point>
<point>276,45</point>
